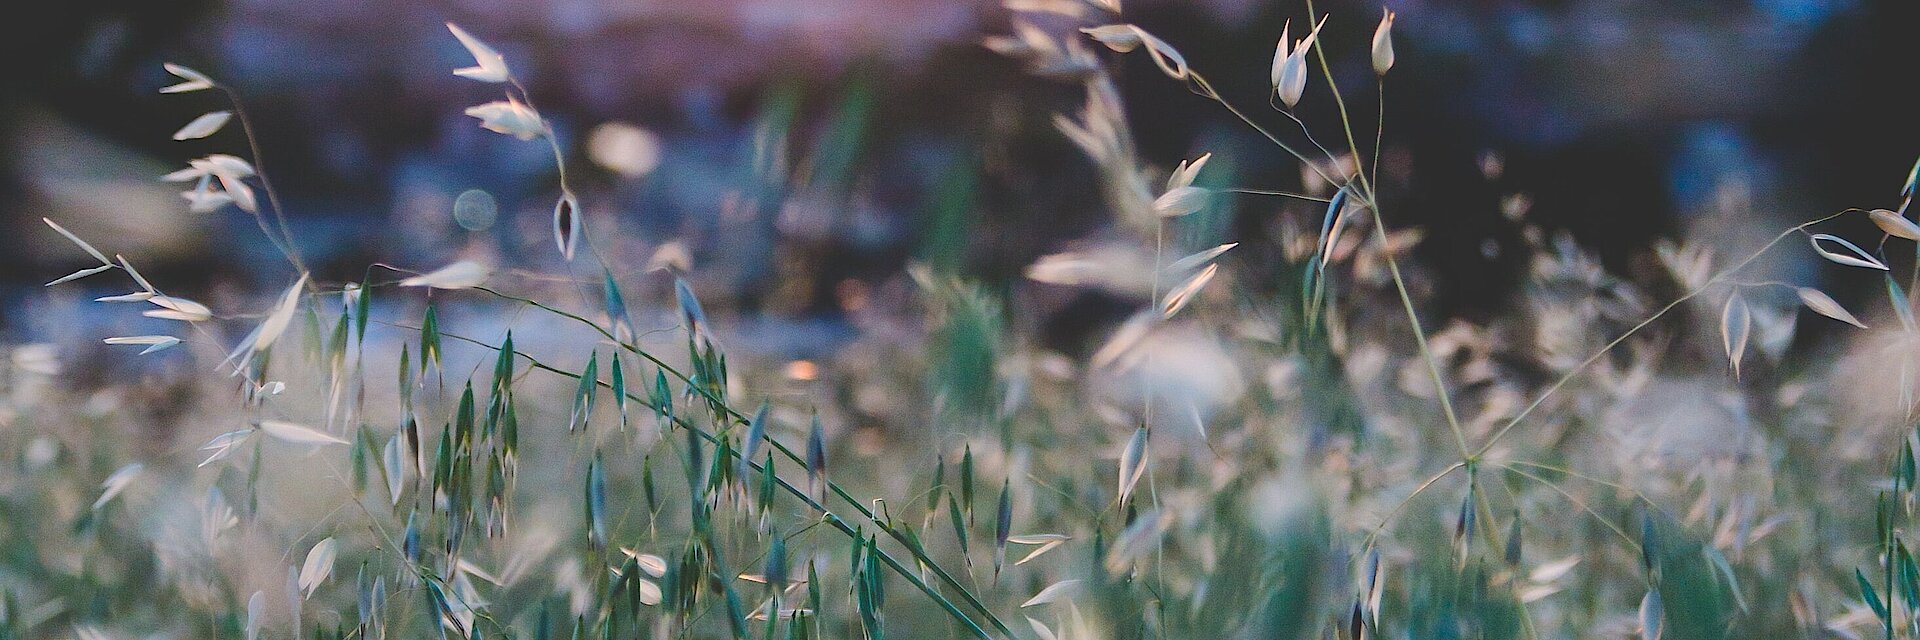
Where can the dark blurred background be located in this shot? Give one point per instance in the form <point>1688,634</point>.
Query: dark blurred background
<point>1622,121</point>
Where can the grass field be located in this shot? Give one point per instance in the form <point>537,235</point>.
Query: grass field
<point>1281,441</point>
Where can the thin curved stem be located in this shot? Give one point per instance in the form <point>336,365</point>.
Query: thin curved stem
<point>1371,200</point>
<point>1580,368</point>
<point>1420,338</point>
<point>1207,91</point>
<point>1380,128</point>
<point>736,415</point>
<point>1763,283</point>
<point>827,515</point>
<point>1578,503</point>
<point>1391,514</point>
<point>1307,132</point>
<point>566,189</point>
<point>284,242</point>
<point>1637,495</point>
<point>1283,194</point>
<point>1346,122</point>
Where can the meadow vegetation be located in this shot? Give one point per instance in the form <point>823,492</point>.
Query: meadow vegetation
<point>1281,442</point>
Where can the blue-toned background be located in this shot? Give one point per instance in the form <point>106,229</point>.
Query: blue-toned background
<point>1623,121</point>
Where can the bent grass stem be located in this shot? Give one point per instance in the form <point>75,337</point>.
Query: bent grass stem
<point>741,418</point>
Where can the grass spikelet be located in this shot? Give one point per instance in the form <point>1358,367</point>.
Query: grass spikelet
<point>1823,304</point>
<point>1850,254</point>
<point>1315,393</point>
<point>1736,326</point>
<point>1133,464</point>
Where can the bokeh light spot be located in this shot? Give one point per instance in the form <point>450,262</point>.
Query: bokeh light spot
<point>475,210</point>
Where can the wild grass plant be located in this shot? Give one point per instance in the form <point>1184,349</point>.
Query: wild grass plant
<point>1279,443</point>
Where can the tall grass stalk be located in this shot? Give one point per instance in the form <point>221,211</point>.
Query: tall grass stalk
<point>1281,526</point>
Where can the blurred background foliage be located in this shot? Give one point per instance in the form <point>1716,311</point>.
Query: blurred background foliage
<point>1622,121</point>
<point>793,157</point>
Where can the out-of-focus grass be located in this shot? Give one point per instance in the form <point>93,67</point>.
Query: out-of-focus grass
<point>1279,443</point>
